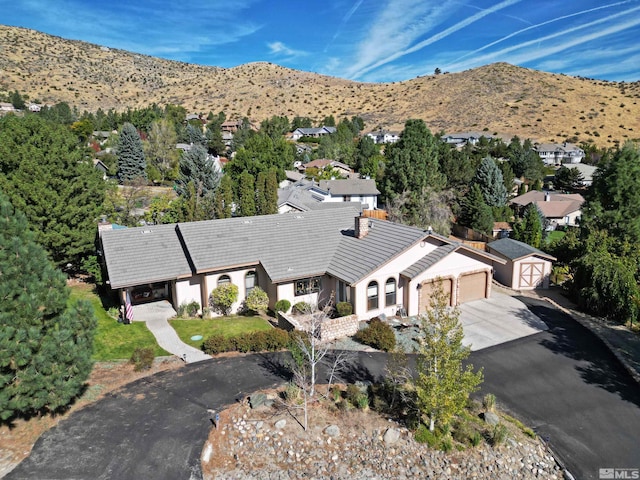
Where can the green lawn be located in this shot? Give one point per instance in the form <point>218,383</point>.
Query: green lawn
<point>113,340</point>
<point>554,235</point>
<point>227,326</point>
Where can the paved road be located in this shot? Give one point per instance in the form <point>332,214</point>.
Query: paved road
<point>571,389</point>
<point>563,382</point>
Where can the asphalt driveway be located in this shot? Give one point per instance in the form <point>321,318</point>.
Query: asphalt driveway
<point>563,382</point>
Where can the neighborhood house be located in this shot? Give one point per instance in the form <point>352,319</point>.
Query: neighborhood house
<point>378,266</point>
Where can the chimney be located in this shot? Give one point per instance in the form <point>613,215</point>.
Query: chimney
<point>362,226</point>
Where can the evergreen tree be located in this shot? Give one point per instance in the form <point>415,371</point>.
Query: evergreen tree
<point>46,176</point>
<point>475,213</point>
<point>131,161</point>
<point>489,178</point>
<point>45,342</point>
<point>223,200</point>
<point>529,229</point>
<point>261,201</point>
<point>195,135</point>
<point>246,195</point>
<point>412,163</point>
<point>160,151</point>
<point>271,193</point>
<point>444,384</point>
<point>567,179</point>
<point>197,182</point>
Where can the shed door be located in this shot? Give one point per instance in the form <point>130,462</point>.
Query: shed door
<point>428,288</point>
<point>531,274</point>
<point>472,287</point>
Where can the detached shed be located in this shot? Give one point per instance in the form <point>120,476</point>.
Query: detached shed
<point>526,267</point>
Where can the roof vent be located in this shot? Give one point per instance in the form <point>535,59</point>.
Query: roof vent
<point>299,217</point>
<point>146,231</point>
<point>247,222</point>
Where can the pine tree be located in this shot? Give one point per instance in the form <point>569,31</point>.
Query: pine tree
<point>529,230</point>
<point>444,384</point>
<point>45,343</point>
<point>47,177</point>
<point>197,182</point>
<point>271,192</point>
<point>261,185</point>
<point>246,196</point>
<point>131,160</point>
<point>489,178</point>
<point>475,213</point>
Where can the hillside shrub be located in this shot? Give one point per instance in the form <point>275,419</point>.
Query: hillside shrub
<point>378,335</point>
<point>344,309</point>
<point>268,340</point>
<point>282,305</point>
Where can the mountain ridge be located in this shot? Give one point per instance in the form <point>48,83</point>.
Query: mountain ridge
<point>496,98</point>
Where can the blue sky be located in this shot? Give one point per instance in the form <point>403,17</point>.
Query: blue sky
<point>365,40</point>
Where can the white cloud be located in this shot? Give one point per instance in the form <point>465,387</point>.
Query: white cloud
<point>280,49</point>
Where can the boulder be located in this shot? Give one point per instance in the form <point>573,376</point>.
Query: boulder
<point>257,400</point>
<point>280,424</point>
<point>491,418</point>
<point>391,436</point>
<point>332,431</point>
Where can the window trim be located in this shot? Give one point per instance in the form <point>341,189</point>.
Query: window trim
<point>250,274</point>
<point>306,286</point>
<point>222,279</point>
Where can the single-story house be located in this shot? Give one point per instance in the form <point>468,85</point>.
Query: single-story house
<point>526,267</point>
<point>317,132</point>
<point>357,190</point>
<point>561,209</point>
<point>376,265</point>
<point>557,153</point>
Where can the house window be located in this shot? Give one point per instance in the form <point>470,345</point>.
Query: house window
<point>372,296</point>
<point>249,282</point>
<point>390,292</point>
<point>222,279</point>
<point>307,285</point>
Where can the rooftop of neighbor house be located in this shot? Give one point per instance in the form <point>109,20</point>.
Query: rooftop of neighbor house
<point>350,186</point>
<point>538,196</point>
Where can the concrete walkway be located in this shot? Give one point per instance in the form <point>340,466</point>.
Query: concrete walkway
<point>155,315</point>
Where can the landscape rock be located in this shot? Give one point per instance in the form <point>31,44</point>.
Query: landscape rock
<point>491,418</point>
<point>280,424</point>
<point>332,431</point>
<point>257,400</point>
<point>391,436</point>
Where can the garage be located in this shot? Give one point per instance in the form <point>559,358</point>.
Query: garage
<point>473,286</point>
<point>429,287</point>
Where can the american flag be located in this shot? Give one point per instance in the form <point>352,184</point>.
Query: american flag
<point>128,309</point>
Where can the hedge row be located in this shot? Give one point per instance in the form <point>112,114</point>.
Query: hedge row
<point>267,340</point>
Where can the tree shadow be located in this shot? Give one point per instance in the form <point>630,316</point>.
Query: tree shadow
<point>595,362</point>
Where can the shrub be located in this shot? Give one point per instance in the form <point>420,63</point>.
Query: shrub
<point>344,308</point>
<point>301,308</point>
<point>192,309</point>
<point>447,443</point>
<point>257,300</point>
<point>499,434</point>
<point>142,358</point>
<point>223,297</point>
<point>215,344</point>
<point>283,305</point>
<point>353,392</point>
<point>276,339</point>
<point>362,402</point>
<point>181,311</point>
<point>424,435</point>
<point>475,438</point>
<point>489,402</point>
<point>378,335</point>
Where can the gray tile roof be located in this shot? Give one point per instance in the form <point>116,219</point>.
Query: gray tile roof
<point>288,246</point>
<point>429,260</point>
<point>144,255</point>
<point>514,249</point>
<point>355,258</point>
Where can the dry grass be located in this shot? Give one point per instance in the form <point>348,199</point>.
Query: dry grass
<point>499,97</point>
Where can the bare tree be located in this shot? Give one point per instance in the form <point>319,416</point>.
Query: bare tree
<point>309,351</point>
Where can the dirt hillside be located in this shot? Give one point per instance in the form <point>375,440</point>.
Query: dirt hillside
<point>499,97</point>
